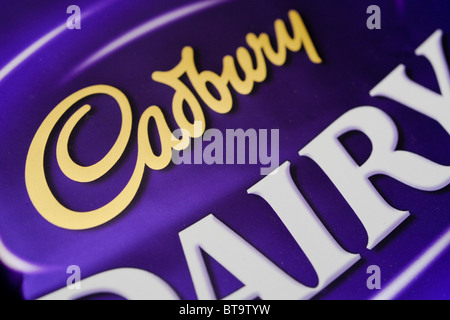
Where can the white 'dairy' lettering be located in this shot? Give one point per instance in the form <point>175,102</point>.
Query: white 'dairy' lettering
<point>324,253</point>
<point>399,87</point>
<point>260,276</point>
<point>352,181</point>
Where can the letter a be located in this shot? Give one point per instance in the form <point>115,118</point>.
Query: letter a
<point>73,282</point>
<point>74,21</point>
<point>374,21</point>
<point>374,281</point>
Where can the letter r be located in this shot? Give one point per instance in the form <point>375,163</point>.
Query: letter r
<point>378,218</point>
<point>399,87</point>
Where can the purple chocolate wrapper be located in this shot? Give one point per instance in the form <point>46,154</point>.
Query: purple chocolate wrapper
<point>42,62</point>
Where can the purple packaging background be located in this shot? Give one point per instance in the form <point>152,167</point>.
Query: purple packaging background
<point>300,99</point>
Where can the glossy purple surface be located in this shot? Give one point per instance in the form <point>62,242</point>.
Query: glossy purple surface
<point>300,99</point>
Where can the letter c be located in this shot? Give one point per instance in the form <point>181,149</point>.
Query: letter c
<point>38,190</point>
